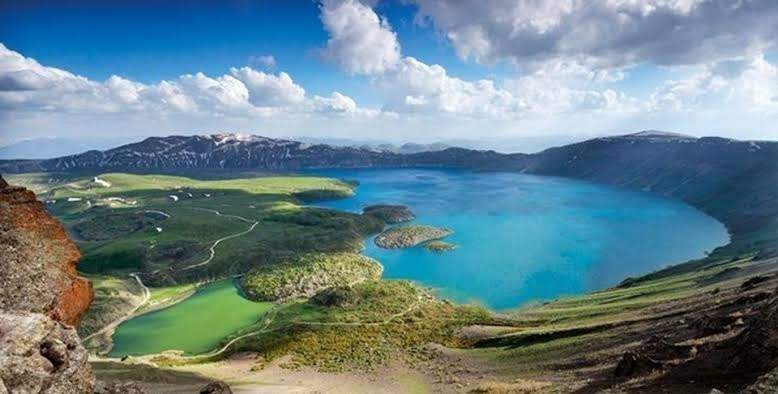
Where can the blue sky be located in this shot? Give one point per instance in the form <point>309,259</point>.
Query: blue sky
<point>420,69</point>
<point>152,40</point>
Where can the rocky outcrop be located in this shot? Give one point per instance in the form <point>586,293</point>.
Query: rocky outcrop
<point>633,364</point>
<point>38,261</point>
<point>119,388</point>
<point>439,246</point>
<point>408,236</point>
<point>216,388</point>
<point>41,298</point>
<point>390,214</point>
<point>40,355</point>
<point>766,384</point>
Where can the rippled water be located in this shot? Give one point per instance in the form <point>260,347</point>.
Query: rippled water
<point>524,237</point>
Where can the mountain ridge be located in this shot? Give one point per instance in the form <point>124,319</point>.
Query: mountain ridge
<point>729,179</point>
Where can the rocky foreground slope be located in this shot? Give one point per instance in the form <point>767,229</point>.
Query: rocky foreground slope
<point>41,298</point>
<point>38,261</point>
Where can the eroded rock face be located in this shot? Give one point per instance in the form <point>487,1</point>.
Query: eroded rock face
<point>216,388</point>
<point>766,384</point>
<point>38,261</point>
<point>41,299</point>
<point>756,347</point>
<point>40,355</point>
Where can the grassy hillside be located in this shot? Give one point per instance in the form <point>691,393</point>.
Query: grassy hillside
<point>166,225</point>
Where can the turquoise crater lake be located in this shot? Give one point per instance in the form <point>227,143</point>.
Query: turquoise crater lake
<point>524,237</point>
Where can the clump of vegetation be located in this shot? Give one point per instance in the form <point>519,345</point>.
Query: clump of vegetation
<point>407,236</point>
<point>330,219</point>
<point>114,225</point>
<point>439,246</point>
<point>518,386</point>
<point>305,275</point>
<point>175,251</point>
<point>361,327</point>
<point>390,213</point>
<point>340,296</point>
<point>322,194</point>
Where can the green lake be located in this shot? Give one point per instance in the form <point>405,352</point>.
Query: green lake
<point>195,325</point>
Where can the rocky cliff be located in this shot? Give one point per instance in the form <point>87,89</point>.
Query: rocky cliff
<point>41,298</point>
<point>38,261</point>
<point>40,355</point>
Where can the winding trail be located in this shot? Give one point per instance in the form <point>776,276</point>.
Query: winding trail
<point>212,249</point>
<point>112,325</point>
<point>218,241</point>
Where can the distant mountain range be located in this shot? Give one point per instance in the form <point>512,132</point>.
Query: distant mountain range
<point>408,147</point>
<point>737,181</point>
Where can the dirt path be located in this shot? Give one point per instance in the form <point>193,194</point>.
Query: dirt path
<point>112,325</point>
<point>212,249</point>
<point>218,241</point>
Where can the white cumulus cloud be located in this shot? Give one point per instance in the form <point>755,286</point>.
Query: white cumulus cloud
<point>360,41</point>
<point>28,86</point>
<point>409,85</point>
<point>748,85</point>
<point>604,33</point>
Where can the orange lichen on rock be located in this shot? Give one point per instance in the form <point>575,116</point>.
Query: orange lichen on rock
<point>38,260</point>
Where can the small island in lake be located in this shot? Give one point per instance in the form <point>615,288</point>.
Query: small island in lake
<point>407,236</point>
<point>390,214</point>
<point>439,246</point>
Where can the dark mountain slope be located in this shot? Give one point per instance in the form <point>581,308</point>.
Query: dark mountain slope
<point>736,181</point>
